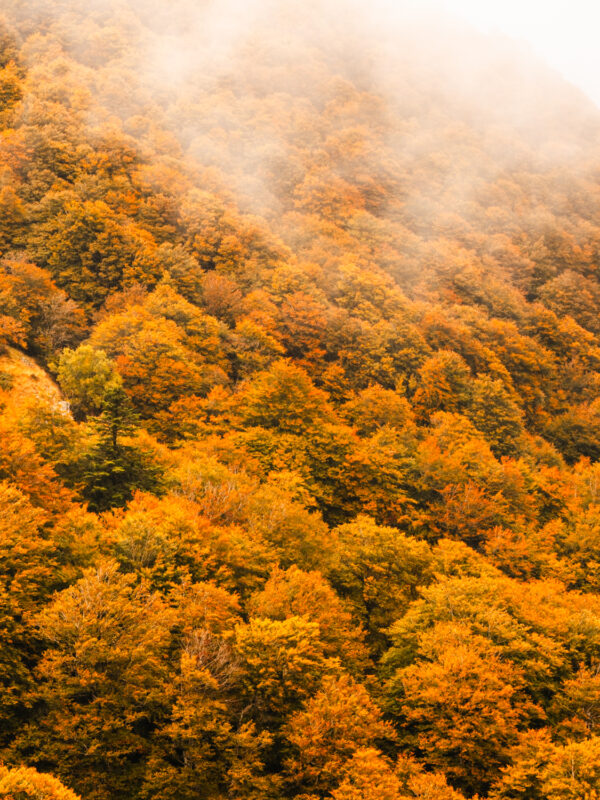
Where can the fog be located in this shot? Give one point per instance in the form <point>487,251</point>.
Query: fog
<point>254,89</point>
<point>470,43</point>
<point>562,32</point>
<point>452,58</point>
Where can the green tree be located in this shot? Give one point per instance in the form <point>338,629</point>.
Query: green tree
<point>114,469</point>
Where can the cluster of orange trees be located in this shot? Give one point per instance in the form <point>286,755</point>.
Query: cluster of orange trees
<point>315,511</point>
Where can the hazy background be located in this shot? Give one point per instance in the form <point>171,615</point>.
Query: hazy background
<point>562,32</point>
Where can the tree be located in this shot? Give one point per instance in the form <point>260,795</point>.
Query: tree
<point>378,570</point>
<point>421,783</point>
<point>374,408</point>
<point>254,348</point>
<point>165,349</point>
<point>12,210</point>
<point>463,489</point>
<point>277,512</point>
<point>113,468</point>
<point>573,294</point>
<point>84,376</point>
<point>27,783</point>
<point>576,432</point>
<point>22,465</point>
<point>284,398</point>
<point>368,776</point>
<point>200,752</point>
<point>308,595</point>
<point>86,247</point>
<point>523,620</point>
<point>28,570</point>
<point>281,664</point>
<point>459,705</point>
<point>444,384</point>
<point>496,414</point>
<point>575,709</point>
<point>339,720</point>
<point>46,319</point>
<point>102,681</point>
<point>169,542</point>
<point>221,297</point>
<point>542,770</point>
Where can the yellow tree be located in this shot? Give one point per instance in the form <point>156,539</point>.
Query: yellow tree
<point>27,783</point>
<point>368,776</point>
<point>101,682</point>
<point>307,594</point>
<point>339,720</point>
<point>542,770</point>
<point>460,705</point>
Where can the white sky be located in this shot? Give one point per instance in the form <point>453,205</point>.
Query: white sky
<point>565,33</point>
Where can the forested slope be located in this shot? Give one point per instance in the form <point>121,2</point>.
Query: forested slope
<point>299,413</point>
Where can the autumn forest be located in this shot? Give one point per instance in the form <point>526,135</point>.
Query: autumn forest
<point>299,407</point>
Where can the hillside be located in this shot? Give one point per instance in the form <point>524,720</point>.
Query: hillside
<point>299,407</point>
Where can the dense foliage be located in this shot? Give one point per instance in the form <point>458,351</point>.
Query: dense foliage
<point>299,409</point>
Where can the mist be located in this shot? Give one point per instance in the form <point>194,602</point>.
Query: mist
<point>406,106</point>
<point>212,64</point>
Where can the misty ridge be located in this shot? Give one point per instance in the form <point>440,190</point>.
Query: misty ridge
<point>422,81</point>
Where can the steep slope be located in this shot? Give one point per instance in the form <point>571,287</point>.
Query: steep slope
<point>320,286</point>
